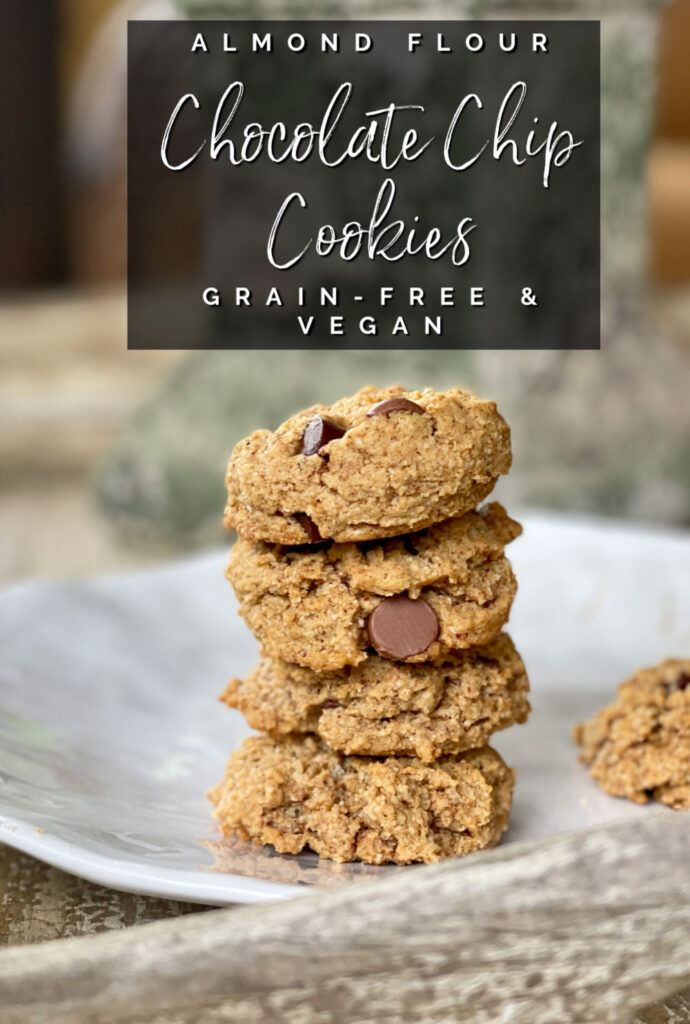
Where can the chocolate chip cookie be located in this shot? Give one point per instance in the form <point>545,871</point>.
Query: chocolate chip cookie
<point>378,464</point>
<point>381,707</point>
<point>294,792</point>
<point>412,598</point>
<point>639,746</point>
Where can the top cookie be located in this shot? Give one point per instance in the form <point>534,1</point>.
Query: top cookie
<point>639,746</point>
<point>382,463</point>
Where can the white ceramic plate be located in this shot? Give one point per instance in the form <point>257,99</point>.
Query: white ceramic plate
<point>110,731</point>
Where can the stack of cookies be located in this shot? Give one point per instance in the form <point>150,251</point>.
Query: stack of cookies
<point>378,591</point>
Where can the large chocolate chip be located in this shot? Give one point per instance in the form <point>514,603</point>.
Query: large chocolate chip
<point>400,627</point>
<point>683,681</point>
<point>309,527</point>
<point>317,433</point>
<point>390,405</point>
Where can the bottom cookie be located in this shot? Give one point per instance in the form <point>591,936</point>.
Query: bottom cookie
<point>639,746</point>
<point>294,792</point>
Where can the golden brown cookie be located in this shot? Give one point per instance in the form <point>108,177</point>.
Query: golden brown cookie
<point>381,463</point>
<point>327,606</point>
<point>294,792</point>
<point>383,708</point>
<point>639,746</point>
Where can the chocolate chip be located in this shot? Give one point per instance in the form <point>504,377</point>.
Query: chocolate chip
<point>309,527</point>
<point>400,627</point>
<point>390,405</point>
<point>683,681</point>
<point>317,433</point>
<point>330,703</point>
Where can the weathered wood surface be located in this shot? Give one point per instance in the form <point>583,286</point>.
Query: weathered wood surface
<point>39,903</point>
<point>674,1010</point>
<point>584,928</point>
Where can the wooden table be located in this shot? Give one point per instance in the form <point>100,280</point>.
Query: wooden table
<point>66,386</point>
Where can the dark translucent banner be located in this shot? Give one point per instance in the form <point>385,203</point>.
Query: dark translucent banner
<point>363,184</point>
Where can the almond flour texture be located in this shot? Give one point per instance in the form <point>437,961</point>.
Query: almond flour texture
<point>312,606</point>
<point>639,746</point>
<point>382,707</point>
<point>385,475</point>
<point>295,792</point>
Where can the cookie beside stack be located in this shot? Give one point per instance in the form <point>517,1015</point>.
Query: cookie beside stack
<point>379,593</point>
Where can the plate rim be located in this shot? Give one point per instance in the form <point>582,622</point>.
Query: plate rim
<point>213,888</point>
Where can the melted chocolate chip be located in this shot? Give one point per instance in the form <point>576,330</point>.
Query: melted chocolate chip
<point>330,703</point>
<point>390,405</point>
<point>400,627</point>
<point>317,433</point>
<point>683,681</point>
<point>309,527</point>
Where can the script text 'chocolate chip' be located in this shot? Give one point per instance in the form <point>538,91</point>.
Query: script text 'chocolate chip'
<point>317,433</point>
<point>401,627</point>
